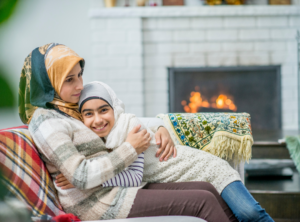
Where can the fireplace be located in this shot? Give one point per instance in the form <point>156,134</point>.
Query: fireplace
<point>252,89</point>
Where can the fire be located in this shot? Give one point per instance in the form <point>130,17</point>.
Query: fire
<point>197,101</point>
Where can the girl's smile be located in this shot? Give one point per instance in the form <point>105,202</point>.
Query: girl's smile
<point>98,129</point>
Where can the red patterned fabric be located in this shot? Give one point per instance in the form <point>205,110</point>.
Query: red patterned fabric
<point>65,218</point>
<point>25,174</point>
<point>60,218</point>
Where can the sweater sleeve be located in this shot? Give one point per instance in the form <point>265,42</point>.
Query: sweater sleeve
<point>53,139</point>
<point>130,177</point>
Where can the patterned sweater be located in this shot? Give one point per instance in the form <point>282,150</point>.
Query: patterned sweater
<point>67,146</point>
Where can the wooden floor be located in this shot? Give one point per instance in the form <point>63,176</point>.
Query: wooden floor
<point>280,196</point>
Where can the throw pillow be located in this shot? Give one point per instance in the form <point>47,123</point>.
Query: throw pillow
<point>25,174</point>
<point>226,135</point>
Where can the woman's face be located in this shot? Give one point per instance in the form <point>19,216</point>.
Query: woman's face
<point>72,86</point>
<point>98,116</point>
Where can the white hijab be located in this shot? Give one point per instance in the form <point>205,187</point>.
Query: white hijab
<point>118,133</point>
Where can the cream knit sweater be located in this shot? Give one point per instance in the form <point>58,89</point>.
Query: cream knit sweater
<point>189,165</point>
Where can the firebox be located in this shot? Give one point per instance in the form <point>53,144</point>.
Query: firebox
<point>252,89</point>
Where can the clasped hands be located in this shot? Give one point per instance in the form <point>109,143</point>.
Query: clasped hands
<point>140,141</point>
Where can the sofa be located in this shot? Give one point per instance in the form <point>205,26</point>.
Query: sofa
<point>27,178</point>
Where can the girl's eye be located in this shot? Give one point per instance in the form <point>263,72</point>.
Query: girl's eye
<point>103,110</point>
<point>80,74</point>
<point>87,114</point>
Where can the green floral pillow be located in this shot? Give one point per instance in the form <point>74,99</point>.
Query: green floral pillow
<point>227,135</point>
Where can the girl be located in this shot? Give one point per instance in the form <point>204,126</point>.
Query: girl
<point>104,114</point>
<point>95,99</point>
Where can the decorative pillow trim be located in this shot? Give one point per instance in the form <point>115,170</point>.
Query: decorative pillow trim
<point>230,147</point>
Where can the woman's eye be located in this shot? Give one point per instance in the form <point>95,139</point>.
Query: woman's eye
<point>69,80</point>
<point>103,110</point>
<point>80,74</point>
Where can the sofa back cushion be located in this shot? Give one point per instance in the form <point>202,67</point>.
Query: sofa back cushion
<point>25,174</point>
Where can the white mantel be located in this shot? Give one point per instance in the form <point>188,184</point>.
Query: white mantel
<point>201,11</point>
<point>133,47</point>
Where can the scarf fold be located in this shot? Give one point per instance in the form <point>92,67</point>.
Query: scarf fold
<point>42,76</point>
<point>71,109</point>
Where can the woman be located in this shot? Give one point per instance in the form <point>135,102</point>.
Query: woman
<point>50,86</point>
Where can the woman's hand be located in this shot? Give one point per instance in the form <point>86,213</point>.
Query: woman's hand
<point>139,140</point>
<point>167,147</point>
<point>62,182</point>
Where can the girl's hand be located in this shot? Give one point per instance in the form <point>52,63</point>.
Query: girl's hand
<point>167,147</point>
<point>139,140</point>
<point>62,182</point>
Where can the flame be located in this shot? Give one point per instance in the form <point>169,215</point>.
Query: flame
<point>196,102</point>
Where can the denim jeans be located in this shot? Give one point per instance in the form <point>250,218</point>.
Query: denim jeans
<point>243,205</point>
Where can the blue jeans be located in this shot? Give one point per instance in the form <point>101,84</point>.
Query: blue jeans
<point>243,205</point>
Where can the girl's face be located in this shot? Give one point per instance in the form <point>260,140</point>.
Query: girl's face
<point>98,116</point>
<point>72,86</point>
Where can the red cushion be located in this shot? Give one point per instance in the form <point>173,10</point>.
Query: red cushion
<point>25,174</point>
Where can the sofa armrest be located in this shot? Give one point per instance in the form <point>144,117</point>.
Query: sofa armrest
<point>151,121</point>
<point>239,168</point>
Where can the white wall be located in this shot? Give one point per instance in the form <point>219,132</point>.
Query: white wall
<point>35,23</point>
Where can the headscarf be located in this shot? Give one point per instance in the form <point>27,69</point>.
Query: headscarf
<point>42,76</point>
<point>94,90</point>
<point>100,90</point>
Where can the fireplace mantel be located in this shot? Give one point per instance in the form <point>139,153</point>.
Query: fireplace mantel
<point>184,11</point>
<point>133,47</point>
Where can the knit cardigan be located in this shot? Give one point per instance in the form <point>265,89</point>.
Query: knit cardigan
<point>67,146</point>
